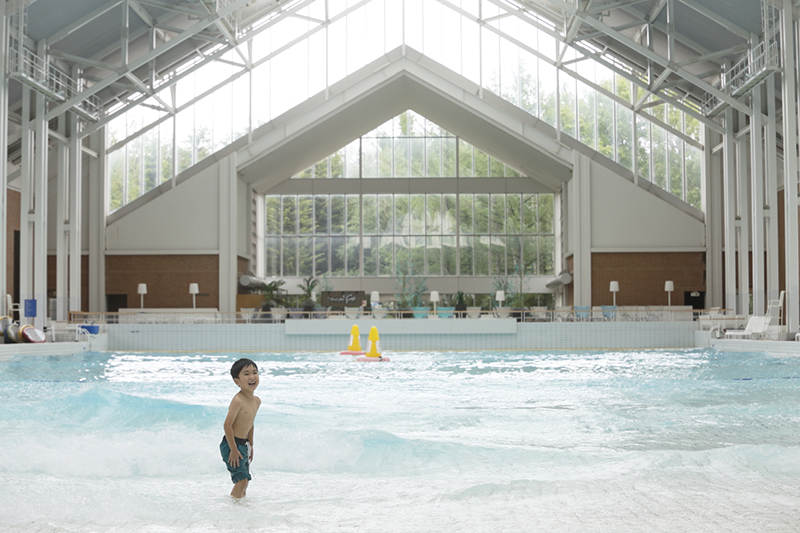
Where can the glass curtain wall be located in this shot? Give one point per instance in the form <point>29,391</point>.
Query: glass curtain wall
<point>434,234</point>
<point>299,55</point>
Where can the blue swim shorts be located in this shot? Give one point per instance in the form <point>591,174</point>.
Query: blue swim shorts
<point>243,470</point>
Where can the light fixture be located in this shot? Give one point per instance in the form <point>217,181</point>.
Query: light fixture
<point>142,290</point>
<point>434,299</point>
<point>500,296</point>
<point>614,288</point>
<point>669,286</point>
<point>374,298</point>
<point>193,290</point>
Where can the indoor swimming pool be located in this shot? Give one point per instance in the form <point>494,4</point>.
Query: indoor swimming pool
<point>692,440</point>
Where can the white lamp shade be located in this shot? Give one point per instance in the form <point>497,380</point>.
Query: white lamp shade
<point>375,296</point>
<point>613,286</point>
<point>500,296</point>
<point>194,288</point>
<point>669,286</point>
<point>142,288</point>
<point>434,296</point>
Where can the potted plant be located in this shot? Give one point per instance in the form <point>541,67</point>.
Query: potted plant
<point>307,287</point>
<point>272,298</point>
<point>409,291</point>
<point>460,301</point>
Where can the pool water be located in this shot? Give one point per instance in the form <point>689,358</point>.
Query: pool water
<point>593,441</point>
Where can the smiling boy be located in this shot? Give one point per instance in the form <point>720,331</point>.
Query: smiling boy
<point>239,426</point>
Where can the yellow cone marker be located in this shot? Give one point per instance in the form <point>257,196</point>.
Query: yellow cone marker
<point>354,348</point>
<point>374,349</point>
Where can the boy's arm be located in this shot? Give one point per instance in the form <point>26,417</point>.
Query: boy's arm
<point>233,412</point>
<point>252,428</point>
<point>250,440</point>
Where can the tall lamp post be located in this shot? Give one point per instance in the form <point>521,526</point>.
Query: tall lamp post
<point>142,290</point>
<point>614,288</point>
<point>669,286</point>
<point>194,289</point>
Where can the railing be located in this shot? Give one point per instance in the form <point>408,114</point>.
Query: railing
<point>280,315</point>
<point>29,68</point>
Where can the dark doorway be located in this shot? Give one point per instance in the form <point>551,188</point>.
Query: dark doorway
<point>697,299</point>
<point>115,302</point>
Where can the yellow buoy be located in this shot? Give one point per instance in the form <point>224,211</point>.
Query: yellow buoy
<point>354,348</point>
<point>374,349</point>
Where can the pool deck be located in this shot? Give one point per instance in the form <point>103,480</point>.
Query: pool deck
<point>400,335</point>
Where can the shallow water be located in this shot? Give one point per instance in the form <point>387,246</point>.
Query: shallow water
<point>593,441</point>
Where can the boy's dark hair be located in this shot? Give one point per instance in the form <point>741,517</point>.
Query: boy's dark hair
<point>241,364</point>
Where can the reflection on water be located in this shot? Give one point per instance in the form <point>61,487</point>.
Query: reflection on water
<point>429,442</point>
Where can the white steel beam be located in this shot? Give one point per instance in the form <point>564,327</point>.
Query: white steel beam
<point>743,223</point>
<point>771,192</point>
<point>757,204</point>
<point>729,208</point>
<point>4,167</point>
<point>147,57</point>
<point>790,166</point>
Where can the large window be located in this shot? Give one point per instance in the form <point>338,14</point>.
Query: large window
<point>298,55</point>
<point>422,234</point>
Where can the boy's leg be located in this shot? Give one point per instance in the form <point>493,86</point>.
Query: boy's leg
<point>239,489</point>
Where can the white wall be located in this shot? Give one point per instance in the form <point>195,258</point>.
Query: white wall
<point>626,217</point>
<point>184,219</point>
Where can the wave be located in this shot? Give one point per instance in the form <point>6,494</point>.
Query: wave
<point>97,407</point>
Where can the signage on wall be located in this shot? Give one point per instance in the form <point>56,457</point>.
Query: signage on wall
<point>341,298</point>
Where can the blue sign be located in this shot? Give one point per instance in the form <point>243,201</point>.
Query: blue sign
<point>30,308</point>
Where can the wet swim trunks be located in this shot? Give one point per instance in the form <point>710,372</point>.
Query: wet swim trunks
<point>243,470</point>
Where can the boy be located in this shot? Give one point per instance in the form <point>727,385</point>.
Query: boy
<point>239,426</point>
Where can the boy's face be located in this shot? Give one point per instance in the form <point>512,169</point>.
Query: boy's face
<point>248,379</point>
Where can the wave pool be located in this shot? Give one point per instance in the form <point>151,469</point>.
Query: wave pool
<point>592,441</point>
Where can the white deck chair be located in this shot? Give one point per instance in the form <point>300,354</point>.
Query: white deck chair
<point>11,307</point>
<point>756,328</point>
<point>775,310</point>
<point>563,313</point>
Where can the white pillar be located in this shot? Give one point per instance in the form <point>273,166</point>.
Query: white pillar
<point>729,203</point>
<point>743,222</point>
<point>712,182</point>
<point>757,204</point>
<point>75,214</point>
<point>4,289</point>
<point>97,222</point>
<point>62,224</point>
<point>790,166</point>
<point>227,234</point>
<point>771,193</point>
<point>581,234</point>
<point>39,217</point>
<point>26,202</point>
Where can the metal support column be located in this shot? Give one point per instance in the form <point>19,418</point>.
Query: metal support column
<point>97,213</point>
<point>729,203</point>
<point>771,193</point>
<point>743,223</point>
<point>581,229</point>
<point>62,223</point>
<point>75,193</point>
<point>711,190</point>
<point>3,168</point>
<point>39,218</point>
<point>26,201</point>
<point>790,166</point>
<point>227,233</point>
<point>757,203</point>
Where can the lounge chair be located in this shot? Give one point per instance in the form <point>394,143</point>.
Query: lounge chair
<point>756,328</point>
<point>609,312</point>
<point>582,312</point>
<point>564,313</point>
